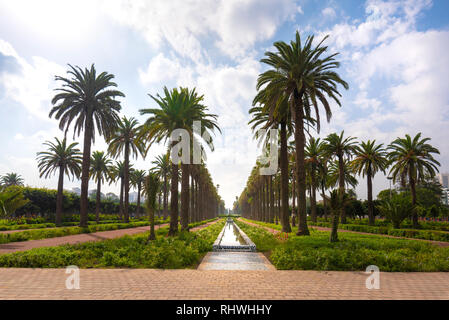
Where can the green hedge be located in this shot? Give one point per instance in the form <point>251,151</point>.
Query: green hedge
<point>182,251</point>
<point>66,231</point>
<point>407,233</point>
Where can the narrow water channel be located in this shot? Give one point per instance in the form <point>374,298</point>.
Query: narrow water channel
<point>231,236</point>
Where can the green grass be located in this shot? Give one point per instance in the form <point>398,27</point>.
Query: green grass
<point>35,234</point>
<point>354,252</point>
<point>182,251</point>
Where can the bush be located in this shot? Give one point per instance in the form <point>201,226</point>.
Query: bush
<point>353,252</point>
<point>183,251</point>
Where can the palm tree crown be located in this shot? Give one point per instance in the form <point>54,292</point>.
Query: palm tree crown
<point>60,155</point>
<point>11,179</point>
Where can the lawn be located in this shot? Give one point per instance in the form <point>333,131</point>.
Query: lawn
<point>354,252</point>
<point>36,234</point>
<point>182,251</point>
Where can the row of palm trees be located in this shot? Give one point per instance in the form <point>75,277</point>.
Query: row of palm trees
<point>300,78</point>
<point>90,102</point>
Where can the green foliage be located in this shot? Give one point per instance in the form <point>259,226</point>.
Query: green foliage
<point>11,199</point>
<point>353,252</point>
<point>182,251</point>
<point>397,209</point>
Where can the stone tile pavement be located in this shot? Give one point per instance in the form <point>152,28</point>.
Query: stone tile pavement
<point>227,285</point>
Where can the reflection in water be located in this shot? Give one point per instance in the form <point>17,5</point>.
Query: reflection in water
<point>231,236</point>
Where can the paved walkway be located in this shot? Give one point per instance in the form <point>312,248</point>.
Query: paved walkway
<point>235,261</point>
<point>274,231</point>
<point>73,239</point>
<point>197,284</point>
<point>83,237</point>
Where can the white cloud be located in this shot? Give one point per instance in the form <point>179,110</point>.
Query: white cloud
<point>32,86</point>
<point>238,24</point>
<point>329,13</point>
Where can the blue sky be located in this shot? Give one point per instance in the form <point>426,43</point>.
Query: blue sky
<point>393,54</point>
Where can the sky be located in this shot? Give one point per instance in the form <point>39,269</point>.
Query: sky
<point>393,54</point>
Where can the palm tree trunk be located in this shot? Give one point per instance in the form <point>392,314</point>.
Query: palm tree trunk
<point>271,213</point>
<point>313,194</point>
<point>300,139</point>
<point>174,201</point>
<point>151,217</point>
<point>185,196</point>
<point>98,199</point>
<point>165,198</point>
<point>121,199</point>
<point>126,176</point>
<point>341,179</point>
<point>138,200</point>
<point>278,202</point>
<point>84,200</point>
<point>192,197</point>
<point>413,192</point>
<point>293,203</point>
<point>334,232</point>
<point>324,202</point>
<point>60,196</point>
<point>284,179</point>
<point>159,211</point>
<point>371,218</point>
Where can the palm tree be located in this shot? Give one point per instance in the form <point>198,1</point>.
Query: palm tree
<point>313,153</point>
<point>137,180</point>
<point>178,109</point>
<point>62,158</point>
<point>412,158</point>
<point>118,174</point>
<point>369,159</point>
<point>333,179</point>
<point>90,101</point>
<point>300,74</point>
<point>337,202</point>
<point>273,115</point>
<point>11,179</point>
<point>338,147</point>
<point>100,171</point>
<point>152,186</point>
<point>124,140</point>
<point>162,168</point>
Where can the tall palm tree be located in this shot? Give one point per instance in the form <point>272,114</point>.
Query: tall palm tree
<point>274,115</point>
<point>336,201</point>
<point>338,147</point>
<point>100,171</point>
<point>11,179</point>
<point>124,141</point>
<point>162,168</point>
<point>62,158</point>
<point>369,159</point>
<point>178,109</point>
<point>313,154</point>
<point>118,175</point>
<point>152,185</point>
<point>137,181</point>
<point>333,173</point>
<point>412,158</point>
<point>301,73</point>
<point>90,101</point>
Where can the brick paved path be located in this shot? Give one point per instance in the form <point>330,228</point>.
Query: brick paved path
<point>274,231</point>
<point>79,238</point>
<point>197,284</point>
